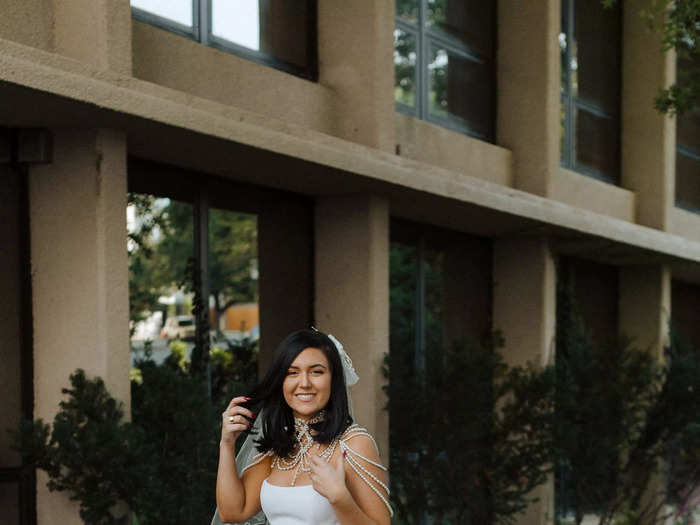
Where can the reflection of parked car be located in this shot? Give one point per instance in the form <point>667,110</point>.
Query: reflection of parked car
<point>178,327</point>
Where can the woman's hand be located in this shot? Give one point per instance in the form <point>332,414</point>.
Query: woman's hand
<point>233,420</point>
<point>328,478</point>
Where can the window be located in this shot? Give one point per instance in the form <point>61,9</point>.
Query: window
<point>688,147</point>
<point>195,239</point>
<point>276,33</point>
<point>440,304</point>
<point>444,61</point>
<point>590,44</point>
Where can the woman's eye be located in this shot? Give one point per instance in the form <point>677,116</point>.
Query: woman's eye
<point>292,373</point>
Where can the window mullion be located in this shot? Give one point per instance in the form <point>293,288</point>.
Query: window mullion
<point>423,80</point>
<point>204,10</point>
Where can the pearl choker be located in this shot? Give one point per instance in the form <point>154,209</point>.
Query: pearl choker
<point>299,460</point>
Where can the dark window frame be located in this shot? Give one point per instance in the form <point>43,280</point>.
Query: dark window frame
<point>427,37</point>
<point>570,104</point>
<point>201,32</point>
<point>683,150</point>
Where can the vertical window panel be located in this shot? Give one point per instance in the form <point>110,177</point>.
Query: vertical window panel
<point>470,22</point>
<point>451,80</point>
<point>407,10</point>
<point>405,68</point>
<point>596,142</point>
<point>276,28</point>
<point>460,91</point>
<point>590,44</point>
<point>688,143</point>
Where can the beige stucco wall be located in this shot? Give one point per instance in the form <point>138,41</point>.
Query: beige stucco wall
<point>425,142</point>
<point>648,138</point>
<point>528,90</point>
<point>645,306</point>
<point>79,278</point>
<point>355,55</point>
<point>95,32</point>
<point>685,223</point>
<point>352,295</point>
<point>177,62</point>
<point>524,297</point>
<point>28,22</point>
<point>594,195</point>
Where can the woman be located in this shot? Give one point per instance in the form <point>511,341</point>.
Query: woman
<point>313,465</point>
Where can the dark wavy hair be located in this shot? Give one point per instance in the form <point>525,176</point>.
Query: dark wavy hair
<point>277,418</point>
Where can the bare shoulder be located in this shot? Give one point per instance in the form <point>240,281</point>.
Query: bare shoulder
<point>360,440</point>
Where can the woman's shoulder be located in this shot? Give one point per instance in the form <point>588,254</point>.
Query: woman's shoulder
<point>359,438</point>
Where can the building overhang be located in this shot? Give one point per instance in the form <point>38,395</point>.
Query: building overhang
<point>41,89</point>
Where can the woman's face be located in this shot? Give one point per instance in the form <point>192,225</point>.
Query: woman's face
<point>307,386</point>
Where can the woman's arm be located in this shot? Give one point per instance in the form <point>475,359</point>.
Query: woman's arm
<point>237,498</point>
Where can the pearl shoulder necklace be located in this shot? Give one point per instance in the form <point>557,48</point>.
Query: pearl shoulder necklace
<point>299,460</point>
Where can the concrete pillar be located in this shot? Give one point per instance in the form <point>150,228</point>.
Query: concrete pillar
<point>524,309</point>
<point>352,295</point>
<point>528,90</point>
<point>645,306</point>
<point>96,32</point>
<point>79,278</point>
<point>355,54</point>
<point>648,138</point>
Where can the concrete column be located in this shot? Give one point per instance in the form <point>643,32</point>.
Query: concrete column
<point>648,138</point>
<point>528,90</point>
<point>355,54</point>
<point>79,278</point>
<point>524,309</point>
<point>96,32</point>
<point>352,295</point>
<point>645,306</point>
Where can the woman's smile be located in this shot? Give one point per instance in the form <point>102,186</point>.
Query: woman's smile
<point>307,386</point>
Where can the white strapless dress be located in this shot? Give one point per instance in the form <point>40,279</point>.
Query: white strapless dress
<point>300,505</point>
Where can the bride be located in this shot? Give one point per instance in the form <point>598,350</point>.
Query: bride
<point>305,461</point>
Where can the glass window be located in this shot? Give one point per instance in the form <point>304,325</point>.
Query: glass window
<point>179,11</point>
<point>688,147</point>
<point>277,33</point>
<point>444,63</point>
<point>590,88</point>
<point>439,306</point>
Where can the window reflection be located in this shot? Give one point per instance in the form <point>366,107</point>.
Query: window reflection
<point>590,45</point>
<point>460,90</point>
<point>275,28</point>
<point>179,11</point>
<point>160,244</point>
<point>405,68</point>
<point>688,146</point>
<point>237,22</point>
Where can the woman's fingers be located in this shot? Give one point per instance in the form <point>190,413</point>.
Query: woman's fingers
<point>237,401</point>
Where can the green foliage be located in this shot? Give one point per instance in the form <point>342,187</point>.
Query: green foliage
<point>623,416</point>
<point>89,451</point>
<point>162,465</point>
<point>678,22</point>
<point>470,440</point>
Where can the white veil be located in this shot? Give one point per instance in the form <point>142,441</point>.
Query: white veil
<point>248,451</point>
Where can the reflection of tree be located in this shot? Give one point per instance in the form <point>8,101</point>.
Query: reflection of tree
<point>162,244</point>
<point>233,250</point>
<point>405,67</point>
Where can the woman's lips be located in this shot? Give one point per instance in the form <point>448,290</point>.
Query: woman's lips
<point>305,397</point>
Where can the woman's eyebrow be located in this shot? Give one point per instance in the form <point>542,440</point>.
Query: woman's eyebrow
<point>310,366</point>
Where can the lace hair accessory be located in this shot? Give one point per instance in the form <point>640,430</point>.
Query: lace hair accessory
<point>349,373</point>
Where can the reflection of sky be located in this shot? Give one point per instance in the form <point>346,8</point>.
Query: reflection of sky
<point>178,10</point>
<point>235,20</point>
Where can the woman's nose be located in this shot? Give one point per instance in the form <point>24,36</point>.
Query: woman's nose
<point>304,380</point>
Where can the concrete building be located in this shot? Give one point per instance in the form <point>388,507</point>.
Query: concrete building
<point>488,137</point>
